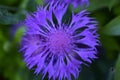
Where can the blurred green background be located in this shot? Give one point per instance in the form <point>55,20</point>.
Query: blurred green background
<point>106,67</point>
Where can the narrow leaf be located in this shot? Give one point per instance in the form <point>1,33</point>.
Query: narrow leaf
<point>113,27</point>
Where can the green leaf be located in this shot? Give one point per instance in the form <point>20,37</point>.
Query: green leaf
<point>106,42</point>
<point>7,18</point>
<point>116,9</point>
<point>24,4</point>
<point>112,3</point>
<point>7,46</point>
<point>39,2</point>
<point>9,2</point>
<point>111,74</point>
<point>19,34</point>
<point>117,69</point>
<point>32,5</point>
<point>113,27</point>
<point>97,4</point>
<point>1,36</point>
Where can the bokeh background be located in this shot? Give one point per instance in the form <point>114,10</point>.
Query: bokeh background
<point>106,67</point>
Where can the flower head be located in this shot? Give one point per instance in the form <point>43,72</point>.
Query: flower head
<point>75,3</point>
<point>56,47</point>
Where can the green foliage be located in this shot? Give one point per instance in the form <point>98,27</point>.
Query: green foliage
<point>97,4</point>
<point>117,69</point>
<point>24,3</point>
<point>39,2</point>
<point>107,12</point>
<point>9,2</point>
<point>112,3</point>
<point>19,33</point>
<point>31,5</point>
<point>110,45</point>
<point>7,18</point>
<point>113,27</point>
<point>116,9</point>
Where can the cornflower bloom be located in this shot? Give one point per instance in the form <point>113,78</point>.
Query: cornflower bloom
<point>58,47</point>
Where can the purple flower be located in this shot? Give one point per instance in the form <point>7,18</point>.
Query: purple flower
<point>75,3</point>
<point>56,47</point>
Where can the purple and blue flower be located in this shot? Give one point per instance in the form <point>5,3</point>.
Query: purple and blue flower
<point>59,47</point>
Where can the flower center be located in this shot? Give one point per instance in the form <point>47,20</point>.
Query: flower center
<point>59,40</point>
